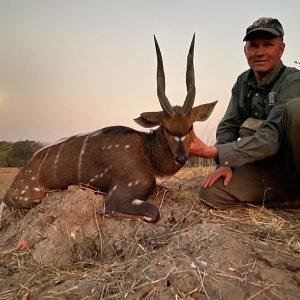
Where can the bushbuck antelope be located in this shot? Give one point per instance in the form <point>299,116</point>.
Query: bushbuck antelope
<point>119,161</point>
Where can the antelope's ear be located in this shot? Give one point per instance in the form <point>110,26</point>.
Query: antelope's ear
<point>202,112</point>
<point>150,119</point>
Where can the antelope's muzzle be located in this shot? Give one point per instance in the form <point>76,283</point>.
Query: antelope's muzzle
<point>182,154</point>
<point>181,159</point>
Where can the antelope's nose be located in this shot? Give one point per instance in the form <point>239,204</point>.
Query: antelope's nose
<point>181,159</point>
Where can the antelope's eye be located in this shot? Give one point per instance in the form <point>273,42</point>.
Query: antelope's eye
<point>167,131</point>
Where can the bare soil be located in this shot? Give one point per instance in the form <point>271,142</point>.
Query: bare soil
<point>192,253</point>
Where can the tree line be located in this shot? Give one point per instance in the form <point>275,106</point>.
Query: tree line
<point>16,154</point>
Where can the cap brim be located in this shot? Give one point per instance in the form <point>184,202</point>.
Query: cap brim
<point>254,32</point>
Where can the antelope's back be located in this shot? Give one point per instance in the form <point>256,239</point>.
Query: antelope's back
<point>98,159</point>
<point>95,158</point>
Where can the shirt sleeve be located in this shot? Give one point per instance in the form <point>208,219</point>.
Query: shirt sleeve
<point>266,141</point>
<point>228,129</point>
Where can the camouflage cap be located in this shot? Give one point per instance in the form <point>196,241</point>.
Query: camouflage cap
<point>268,25</point>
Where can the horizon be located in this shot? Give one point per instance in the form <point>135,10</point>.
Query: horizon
<point>68,68</point>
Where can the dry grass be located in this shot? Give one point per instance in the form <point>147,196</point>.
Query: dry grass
<point>116,281</point>
<point>7,175</point>
<point>138,276</point>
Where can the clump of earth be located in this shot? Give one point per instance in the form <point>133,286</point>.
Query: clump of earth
<point>193,252</point>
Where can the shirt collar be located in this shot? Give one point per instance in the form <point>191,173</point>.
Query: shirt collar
<point>269,78</point>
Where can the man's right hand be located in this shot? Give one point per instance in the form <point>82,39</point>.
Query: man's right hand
<point>225,172</point>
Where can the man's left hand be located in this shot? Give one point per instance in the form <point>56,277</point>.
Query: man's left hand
<point>225,172</point>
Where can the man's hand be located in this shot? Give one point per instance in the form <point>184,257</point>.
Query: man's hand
<point>225,172</point>
<point>197,146</point>
<point>200,149</point>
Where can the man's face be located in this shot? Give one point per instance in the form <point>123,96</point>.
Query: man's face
<point>263,54</point>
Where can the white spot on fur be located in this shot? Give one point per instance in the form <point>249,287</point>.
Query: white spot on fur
<point>29,171</point>
<point>117,145</point>
<point>103,147</point>
<point>36,189</point>
<point>148,219</point>
<point>23,192</point>
<point>33,178</point>
<point>105,170</point>
<point>72,235</point>
<point>136,182</point>
<point>101,175</point>
<point>137,202</point>
<point>127,146</point>
<point>109,147</point>
<point>27,187</point>
<point>26,199</point>
<point>129,184</point>
<point>112,190</point>
<point>92,180</point>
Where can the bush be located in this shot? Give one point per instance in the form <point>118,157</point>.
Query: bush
<point>18,153</point>
<point>5,148</point>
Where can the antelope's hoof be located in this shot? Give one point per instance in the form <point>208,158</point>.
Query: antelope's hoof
<point>153,217</point>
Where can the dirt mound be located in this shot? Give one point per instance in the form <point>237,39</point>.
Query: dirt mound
<point>191,253</point>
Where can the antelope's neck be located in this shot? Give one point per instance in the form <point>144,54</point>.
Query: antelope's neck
<point>160,154</point>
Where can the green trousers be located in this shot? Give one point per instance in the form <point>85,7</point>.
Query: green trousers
<point>273,179</point>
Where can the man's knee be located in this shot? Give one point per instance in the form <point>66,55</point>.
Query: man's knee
<point>220,197</point>
<point>250,184</point>
<point>293,104</point>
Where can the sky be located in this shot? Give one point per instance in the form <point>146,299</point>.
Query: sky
<point>70,66</point>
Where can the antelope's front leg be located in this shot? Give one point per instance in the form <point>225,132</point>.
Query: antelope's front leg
<point>130,202</point>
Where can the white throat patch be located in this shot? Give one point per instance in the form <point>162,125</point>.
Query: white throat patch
<point>177,138</point>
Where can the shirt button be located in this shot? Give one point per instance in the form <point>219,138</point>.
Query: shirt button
<point>256,113</point>
<point>226,162</point>
<point>257,94</point>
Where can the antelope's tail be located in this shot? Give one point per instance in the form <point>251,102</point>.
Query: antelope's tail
<point>3,206</point>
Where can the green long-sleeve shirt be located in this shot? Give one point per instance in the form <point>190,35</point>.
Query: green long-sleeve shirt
<point>261,102</point>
